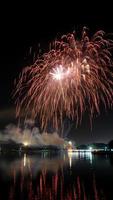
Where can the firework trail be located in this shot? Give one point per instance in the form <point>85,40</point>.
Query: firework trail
<point>72,78</point>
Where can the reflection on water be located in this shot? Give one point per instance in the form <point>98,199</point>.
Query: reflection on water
<point>69,176</point>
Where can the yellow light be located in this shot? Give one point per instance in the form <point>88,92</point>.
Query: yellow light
<point>70,153</point>
<point>25,143</point>
<point>25,160</point>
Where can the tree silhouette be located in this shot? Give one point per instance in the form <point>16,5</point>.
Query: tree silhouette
<point>110,144</point>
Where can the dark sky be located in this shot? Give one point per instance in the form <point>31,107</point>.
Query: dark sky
<point>24,26</point>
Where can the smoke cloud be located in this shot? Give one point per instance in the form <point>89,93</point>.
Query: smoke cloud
<point>29,134</point>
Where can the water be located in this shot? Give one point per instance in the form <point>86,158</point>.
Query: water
<point>69,176</point>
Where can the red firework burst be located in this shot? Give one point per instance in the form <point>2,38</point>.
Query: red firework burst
<point>72,78</point>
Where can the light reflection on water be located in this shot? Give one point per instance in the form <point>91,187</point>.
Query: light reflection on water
<point>68,176</point>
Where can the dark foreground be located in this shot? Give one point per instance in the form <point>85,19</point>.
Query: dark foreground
<point>70,176</point>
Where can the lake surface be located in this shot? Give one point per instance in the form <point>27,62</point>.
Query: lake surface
<point>68,176</point>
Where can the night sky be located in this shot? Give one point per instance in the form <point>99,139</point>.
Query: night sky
<point>25,26</point>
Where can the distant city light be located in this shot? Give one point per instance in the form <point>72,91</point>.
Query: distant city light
<point>90,148</point>
<point>70,143</point>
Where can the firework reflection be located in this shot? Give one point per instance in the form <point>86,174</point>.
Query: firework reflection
<point>52,178</point>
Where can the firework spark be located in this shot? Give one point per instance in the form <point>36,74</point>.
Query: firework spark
<point>72,78</point>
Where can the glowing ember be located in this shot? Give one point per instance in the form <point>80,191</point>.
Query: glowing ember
<point>25,143</point>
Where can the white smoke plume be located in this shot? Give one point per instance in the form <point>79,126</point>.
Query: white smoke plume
<point>30,135</point>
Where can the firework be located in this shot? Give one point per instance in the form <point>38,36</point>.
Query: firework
<point>72,78</point>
